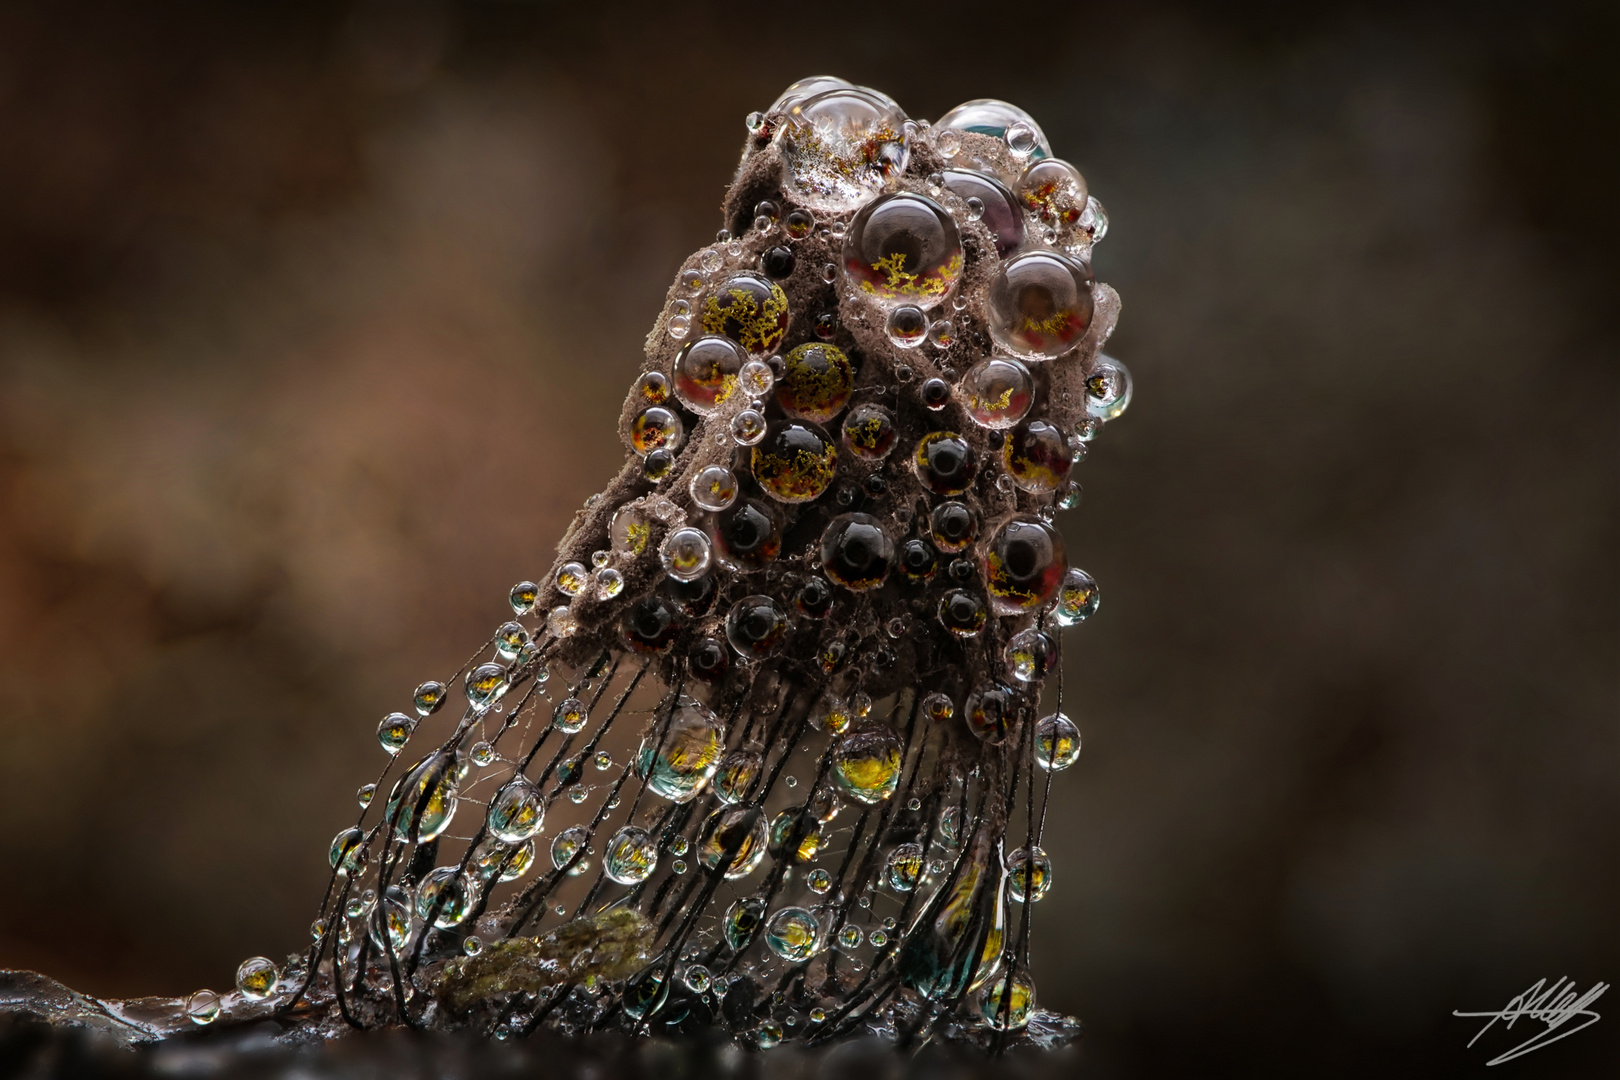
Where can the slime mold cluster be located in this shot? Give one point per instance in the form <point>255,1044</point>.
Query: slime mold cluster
<point>764,752</point>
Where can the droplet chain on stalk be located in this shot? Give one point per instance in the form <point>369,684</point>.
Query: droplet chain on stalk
<point>829,557</point>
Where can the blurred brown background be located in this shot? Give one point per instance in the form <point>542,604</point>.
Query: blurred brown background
<point>314,323</point>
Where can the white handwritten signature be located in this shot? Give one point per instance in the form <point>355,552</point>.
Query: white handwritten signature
<point>1554,1005</point>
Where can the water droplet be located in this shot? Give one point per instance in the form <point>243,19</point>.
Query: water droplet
<point>749,309</point>
<point>738,830</point>
<point>938,707</point>
<point>566,844</point>
<point>869,432</point>
<point>742,921</point>
<point>736,774</point>
<point>570,716</point>
<point>1095,219</point>
<point>428,697</point>
<point>816,382</point>
<point>685,553</point>
<point>714,488</point>
<point>831,714</point>
<point>706,370</point>
<point>796,821</point>
<point>945,463</point>
<point>1108,389</point>
<point>256,978</point>
<point>1022,139</point>
<point>1037,457</point>
<point>523,596</point>
<point>1024,563</point>
<point>510,639</point>
<point>656,428</point>
<point>1057,742</point>
<point>697,978</point>
<point>631,532</point>
<point>395,731</point>
<point>657,465</point>
<point>962,613</point>
<point>423,801</point>
<point>756,627</point>
<point>748,427</point>
<point>1055,192</point>
<point>918,559</point>
<point>793,934</point>
<point>906,327</point>
<point>444,889</point>
<point>990,712</point>
<point>571,578</point>
<point>486,684</point>
<point>903,248</point>
<point>709,659</point>
<point>344,854</point>
<point>778,262</point>
<point>512,862</point>
<point>747,535</point>
<point>609,583</point>
<point>202,1008</point>
<point>997,392</point>
<point>1008,1001</point>
<point>364,795</point>
<point>840,147</point>
<point>814,597</point>
<point>818,881</point>
<point>1029,655</point>
<point>856,552</point>
<point>756,378</point>
<point>952,526</point>
<point>1039,304</point>
<point>942,333</point>
<point>904,867</point>
<point>850,936</point>
<point>631,856</point>
<point>472,945</point>
<point>988,116</point>
<point>517,812</point>
<point>686,756</point>
<point>1035,868</point>
<point>866,765</point>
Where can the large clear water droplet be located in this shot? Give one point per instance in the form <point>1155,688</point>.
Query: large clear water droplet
<point>686,756</point>
<point>631,856</point>
<point>517,812</point>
